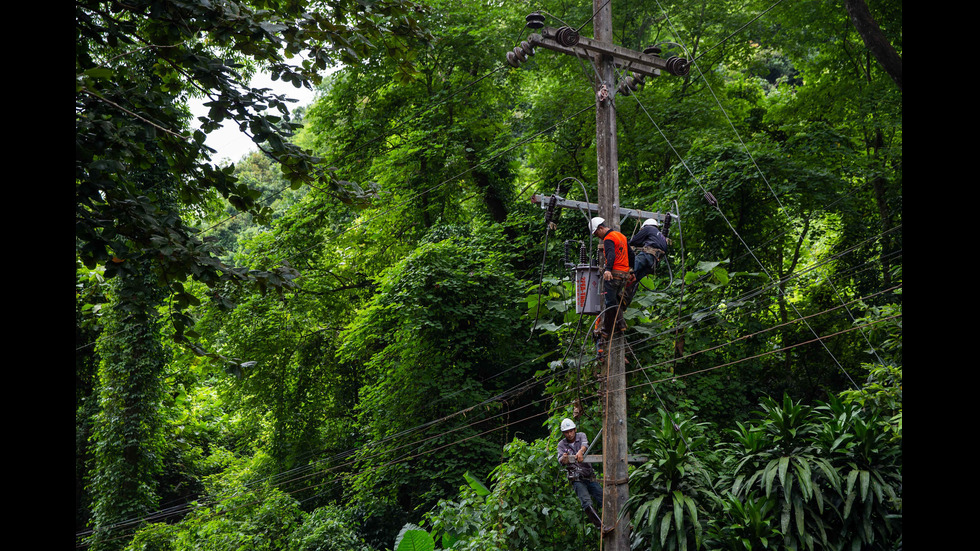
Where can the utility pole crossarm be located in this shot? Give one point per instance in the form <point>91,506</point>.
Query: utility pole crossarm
<point>645,68</point>
<point>632,459</point>
<point>567,41</point>
<point>593,208</point>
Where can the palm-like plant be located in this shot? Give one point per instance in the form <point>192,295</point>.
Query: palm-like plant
<point>669,491</point>
<point>748,525</point>
<point>869,460</point>
<point>780,462</point>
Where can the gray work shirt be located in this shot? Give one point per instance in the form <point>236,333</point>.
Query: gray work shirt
<point>571,448</point>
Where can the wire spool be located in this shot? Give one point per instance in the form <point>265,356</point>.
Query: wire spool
<point>566,36</point>
<point>678,66</point>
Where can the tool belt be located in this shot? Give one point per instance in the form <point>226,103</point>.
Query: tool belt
<point>580,474</point>
<point>620,274</point>
<point>657,253</point>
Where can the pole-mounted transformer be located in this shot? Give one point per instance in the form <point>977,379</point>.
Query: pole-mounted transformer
<point>587,277</point>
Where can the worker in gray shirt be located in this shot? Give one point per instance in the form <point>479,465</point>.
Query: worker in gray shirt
<point>571,453</point>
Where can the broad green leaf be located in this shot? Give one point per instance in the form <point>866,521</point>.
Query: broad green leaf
<point>678,511</point>
<point>665,527</point>
<point>865,480</point>
<point>481,490</point>
<point>783,466</point>
<point>413,538</point>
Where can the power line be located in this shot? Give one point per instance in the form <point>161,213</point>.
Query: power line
<point>469,409</point>
<point>518,388</point>
<point>182,510</point>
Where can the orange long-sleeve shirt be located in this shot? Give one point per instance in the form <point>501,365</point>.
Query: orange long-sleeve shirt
<point>617,251</point>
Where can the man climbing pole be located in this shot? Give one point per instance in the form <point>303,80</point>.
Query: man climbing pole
<point>650,246</point>
<point>615,276</point>
<point>571,454</point>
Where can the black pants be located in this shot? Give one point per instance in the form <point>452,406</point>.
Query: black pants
<point>613,302</point>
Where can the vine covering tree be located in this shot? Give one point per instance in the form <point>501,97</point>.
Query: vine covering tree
<point>374,341</point>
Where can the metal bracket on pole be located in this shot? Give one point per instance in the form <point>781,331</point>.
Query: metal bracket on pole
<point>632,459</point>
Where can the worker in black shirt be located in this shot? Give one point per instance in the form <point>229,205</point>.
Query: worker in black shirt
<point>650,246</point>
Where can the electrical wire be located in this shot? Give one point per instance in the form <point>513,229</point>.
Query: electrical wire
<point>416,443</point>
<point>818,338</point>
<point>736,233</point>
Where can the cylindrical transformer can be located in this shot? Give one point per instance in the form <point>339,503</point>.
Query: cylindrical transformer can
<point>587,279</point>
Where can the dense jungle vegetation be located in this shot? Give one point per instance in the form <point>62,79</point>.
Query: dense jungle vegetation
<point>363,336</point>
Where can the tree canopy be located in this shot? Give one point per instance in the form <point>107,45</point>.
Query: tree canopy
<point>364,335</point>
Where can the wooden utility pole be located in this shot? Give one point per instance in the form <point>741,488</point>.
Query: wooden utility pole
<point>606,58</point>
<point>615,487</point>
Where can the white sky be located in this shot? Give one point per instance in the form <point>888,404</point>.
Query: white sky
<point>230,143</point>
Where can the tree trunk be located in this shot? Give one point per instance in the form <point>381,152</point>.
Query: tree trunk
<point>874,39</point>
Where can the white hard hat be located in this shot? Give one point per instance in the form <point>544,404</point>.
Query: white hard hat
<point>595,223</point>
<point>567,424</point>
<point>651,222</point>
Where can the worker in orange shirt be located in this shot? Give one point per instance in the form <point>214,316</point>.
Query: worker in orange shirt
<point>616,275</point>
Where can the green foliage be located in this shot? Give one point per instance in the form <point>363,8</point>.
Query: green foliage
<point>413,538</point>
<point>127,437</point>
<point>748,524</point>
<point>860,445</point>
<point>275,523</point>
<point>671,491</point>
<point>135,65</point>
<point>781,463</point>
<point>530,506</point>
<point>238,515</point>
<point>379,329</point>
<point>327,528</point>
<point>425,342</point>
<point>830,474</point>
<point>795,477</point>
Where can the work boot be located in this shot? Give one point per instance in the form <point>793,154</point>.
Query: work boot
<point>594,518</point>
<point>621,324</point>
<point>608,323</point>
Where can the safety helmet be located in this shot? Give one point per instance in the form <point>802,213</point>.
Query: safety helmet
<point>651,222</point>
<point>595,223</point>
<point>567,424</point>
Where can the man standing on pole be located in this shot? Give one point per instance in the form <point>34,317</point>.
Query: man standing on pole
<point>615,276</point>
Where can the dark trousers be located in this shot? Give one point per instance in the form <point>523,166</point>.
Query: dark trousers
<point>645,262</point>
<point>613,305</point>
<point>587,490</point>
